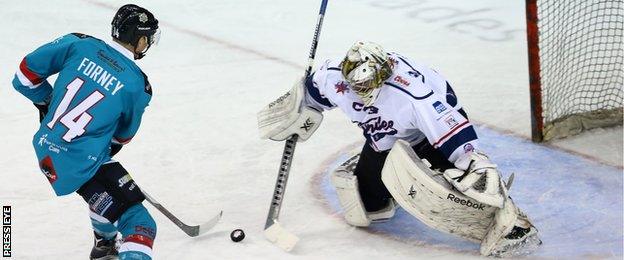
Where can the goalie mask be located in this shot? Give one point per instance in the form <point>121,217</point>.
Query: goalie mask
<point>366,67</point>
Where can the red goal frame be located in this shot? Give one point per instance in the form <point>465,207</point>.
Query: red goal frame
<point>535,85</point>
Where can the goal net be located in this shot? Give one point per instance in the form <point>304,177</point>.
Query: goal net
<point>576,65</point>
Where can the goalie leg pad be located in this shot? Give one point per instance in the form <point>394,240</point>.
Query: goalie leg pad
<point>426,195</point>
<point>346,185</point>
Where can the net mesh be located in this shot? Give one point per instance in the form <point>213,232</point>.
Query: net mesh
<point>582,64</point>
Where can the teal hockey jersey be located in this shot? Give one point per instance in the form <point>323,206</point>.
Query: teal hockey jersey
<point>98,98</point>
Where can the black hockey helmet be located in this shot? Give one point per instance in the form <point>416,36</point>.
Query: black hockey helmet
<point>131,22</point>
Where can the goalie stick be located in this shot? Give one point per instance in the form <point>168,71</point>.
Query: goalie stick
<point>273,231</point>
<point>192,231</point>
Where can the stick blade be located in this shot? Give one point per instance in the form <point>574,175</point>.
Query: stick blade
<point>191,231</point>
<point>194,231</point>
<point>203,228</point>
<point>281,237</point>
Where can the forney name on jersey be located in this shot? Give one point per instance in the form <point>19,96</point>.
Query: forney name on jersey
<point>99,75</point>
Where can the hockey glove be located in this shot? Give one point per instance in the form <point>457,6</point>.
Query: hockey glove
<point>115,148</point>
<point>286,116</point>
<point>43,110</point>
<point>477,177</point>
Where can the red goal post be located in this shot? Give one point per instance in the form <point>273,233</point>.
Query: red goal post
<point>576,65</point>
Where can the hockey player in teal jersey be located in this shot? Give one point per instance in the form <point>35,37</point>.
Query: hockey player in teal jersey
<point>93,109</point>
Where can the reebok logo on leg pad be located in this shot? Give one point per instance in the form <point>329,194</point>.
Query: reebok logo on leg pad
<point>465,202</point>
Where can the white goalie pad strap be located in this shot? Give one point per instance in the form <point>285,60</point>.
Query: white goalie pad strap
<point>285,116</point>
<point>346,185</point>
<point>477,178</point>
<point>426,195</point>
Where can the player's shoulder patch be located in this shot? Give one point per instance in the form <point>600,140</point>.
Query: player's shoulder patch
<point>148,87</point>
<point>70,38</point>
<point>82,35</point>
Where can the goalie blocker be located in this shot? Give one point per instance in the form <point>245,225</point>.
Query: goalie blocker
<point>286,116</point>
<point>428,196</point>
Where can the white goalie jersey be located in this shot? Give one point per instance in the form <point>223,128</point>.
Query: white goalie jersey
<point>414,103</point>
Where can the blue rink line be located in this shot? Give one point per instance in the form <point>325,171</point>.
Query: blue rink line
<point>575,203</point>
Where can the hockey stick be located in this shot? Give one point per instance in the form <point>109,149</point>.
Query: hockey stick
<point>273,231</point>
<point>192,231</point>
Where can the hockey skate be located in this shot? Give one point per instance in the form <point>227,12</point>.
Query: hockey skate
<point>103,249</point>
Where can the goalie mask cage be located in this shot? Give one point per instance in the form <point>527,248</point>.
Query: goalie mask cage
<point>576,66</point>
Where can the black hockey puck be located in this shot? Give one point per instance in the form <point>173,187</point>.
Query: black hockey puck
<point>237,235</point>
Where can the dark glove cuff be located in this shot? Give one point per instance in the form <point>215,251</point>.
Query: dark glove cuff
<point>115,148</point>
<point>43,110</point>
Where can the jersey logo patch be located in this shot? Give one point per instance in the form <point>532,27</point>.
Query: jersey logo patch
<point>439,107</point>
<point>47,168</point>
<point>401,81</point>
<point>101,55</point>
<point>368,109</point>
<point>468,148</point>
<point>341,87</point>
<point>375,128</point>
<point>450,121</point>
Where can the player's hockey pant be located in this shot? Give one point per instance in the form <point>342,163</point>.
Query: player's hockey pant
<point>368,171</point>
<point>115,206</point>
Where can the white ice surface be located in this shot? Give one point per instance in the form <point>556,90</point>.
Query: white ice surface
<point>198,150</point>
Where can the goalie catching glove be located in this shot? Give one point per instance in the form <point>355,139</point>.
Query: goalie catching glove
<point>477,177</point>
<point>287,116</point>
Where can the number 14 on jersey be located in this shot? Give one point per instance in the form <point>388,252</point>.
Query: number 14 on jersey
<point>77,119</point>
